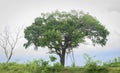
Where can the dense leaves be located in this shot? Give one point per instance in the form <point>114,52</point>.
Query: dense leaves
<point>62,31</point>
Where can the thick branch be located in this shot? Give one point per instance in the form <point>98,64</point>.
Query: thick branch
<point>57,50</point>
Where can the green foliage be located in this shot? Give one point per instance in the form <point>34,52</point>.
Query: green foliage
<point>57,67</point>
<point>63,31</point>
<point>42,66</point>
<point>52,58</point>
<point>49,27</point>
<point>12,68</point>
<point>113,63</point>
<point>92,66</point>
<point>37,66</point>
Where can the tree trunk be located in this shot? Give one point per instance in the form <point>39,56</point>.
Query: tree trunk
<point>62,58</point>
<point>8,59</point>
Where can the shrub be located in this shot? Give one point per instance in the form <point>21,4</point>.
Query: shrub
<point>38,66</point>
<point>92,66</point>
<point>57,67</point>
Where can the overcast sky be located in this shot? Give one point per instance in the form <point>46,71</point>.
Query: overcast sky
<point>17,13</point>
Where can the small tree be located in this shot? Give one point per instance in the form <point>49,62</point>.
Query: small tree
<point>63,31</point>
<point>9,42</point>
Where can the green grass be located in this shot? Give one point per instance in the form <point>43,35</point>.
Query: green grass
<point>36,67</point>
<point>42,66</point>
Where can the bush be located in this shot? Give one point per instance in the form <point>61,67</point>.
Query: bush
<point>42,66</point>
<point>92,66</point>
<point>12,68</point>
<point>57,67</point>
<point>38,66</point>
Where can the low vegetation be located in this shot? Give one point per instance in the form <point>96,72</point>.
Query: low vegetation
<point>42,66</point>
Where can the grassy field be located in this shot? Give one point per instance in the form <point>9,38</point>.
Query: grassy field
<point>23,69</point>
<point>41,66</point>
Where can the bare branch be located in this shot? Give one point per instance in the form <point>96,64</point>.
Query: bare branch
<point>8,42</point>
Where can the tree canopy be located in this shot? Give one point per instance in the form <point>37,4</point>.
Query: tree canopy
<point>62,31</point>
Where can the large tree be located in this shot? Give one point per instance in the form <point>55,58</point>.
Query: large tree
<point>63,31</point>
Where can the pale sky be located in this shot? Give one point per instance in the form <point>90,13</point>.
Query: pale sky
<point>17,13</point>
